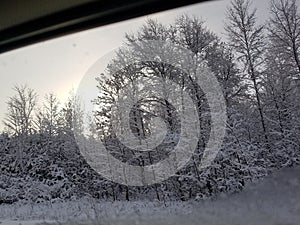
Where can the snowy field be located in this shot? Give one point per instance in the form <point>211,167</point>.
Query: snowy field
<point>272,201</point>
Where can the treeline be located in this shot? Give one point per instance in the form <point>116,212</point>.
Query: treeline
<point>258,69</point>
<point>25,117</point>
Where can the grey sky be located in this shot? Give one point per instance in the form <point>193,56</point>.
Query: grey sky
<point>58,65</point>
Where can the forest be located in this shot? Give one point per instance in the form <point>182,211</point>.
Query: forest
<point>257,68</point>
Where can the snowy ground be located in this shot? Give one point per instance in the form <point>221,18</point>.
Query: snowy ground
<point>273,201</point>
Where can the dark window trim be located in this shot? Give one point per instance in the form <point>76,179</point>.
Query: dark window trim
<point>89,15</point>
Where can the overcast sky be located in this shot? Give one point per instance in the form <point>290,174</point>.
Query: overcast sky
<point>58,65</point>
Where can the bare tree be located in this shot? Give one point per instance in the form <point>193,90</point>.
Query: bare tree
<point>279,96</point>
<point>49,120</point>
<point>247,40</point>
<point>72,115</point>
<point>284,28</point>
<point>19,118</point>
<point>193,34</point>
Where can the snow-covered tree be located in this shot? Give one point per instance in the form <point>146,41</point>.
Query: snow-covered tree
<point>48,118</point>
<point>284,29</point>
<point>247,39</point>
<point>20,111</point>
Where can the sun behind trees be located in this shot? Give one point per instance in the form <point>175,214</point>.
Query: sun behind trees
<point>257,68</point>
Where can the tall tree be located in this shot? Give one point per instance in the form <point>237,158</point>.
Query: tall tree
<point>192,33</point>
<point>284,29</point>
<point>20,107</point>
<point>49,117</point>
<point>73,116</point>
<point>247,38</point>
<point>220,59</point>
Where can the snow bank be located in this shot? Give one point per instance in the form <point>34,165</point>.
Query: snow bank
<point>274,201</point>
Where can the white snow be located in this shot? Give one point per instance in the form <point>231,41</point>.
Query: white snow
<point>16,222</point>
<point>272,201</point>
